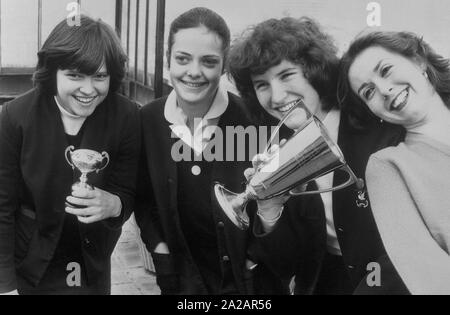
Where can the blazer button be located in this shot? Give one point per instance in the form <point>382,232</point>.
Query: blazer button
<point>351,267</point>
<point>341,230</point>
<point>226,258</point>
<point>87,242</point>
<point>221,225</point>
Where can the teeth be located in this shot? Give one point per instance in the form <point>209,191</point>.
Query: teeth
<point>194,85</point>
<point>288,107</point>
<point>401,99</point>
<point>85,100</point>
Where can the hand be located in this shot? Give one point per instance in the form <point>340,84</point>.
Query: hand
<point>269,209</point>
<point>99,205</point>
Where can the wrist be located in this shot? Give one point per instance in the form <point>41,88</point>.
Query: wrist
<point>271,216</point>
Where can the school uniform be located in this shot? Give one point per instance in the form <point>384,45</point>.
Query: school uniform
<point>37,237</point>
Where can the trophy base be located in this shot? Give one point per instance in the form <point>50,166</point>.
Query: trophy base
<point>233,205</point>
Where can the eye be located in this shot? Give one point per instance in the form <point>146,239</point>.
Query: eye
<point>368,93</point>
<point>211,63</point>
<point>384,72</point>
<point>259,86</point>
<point>101,77</point>
<point>75,75</point>
<point>182,60</point>
<point>287,75</point>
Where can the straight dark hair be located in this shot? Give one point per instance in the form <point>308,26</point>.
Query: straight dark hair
<point>84,48</point>
<point>406,44</point>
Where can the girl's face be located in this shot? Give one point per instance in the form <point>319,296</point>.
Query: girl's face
<point>196,65</point>
<point>395,88</point>
<point>283,85</point>
<point>80,94</point>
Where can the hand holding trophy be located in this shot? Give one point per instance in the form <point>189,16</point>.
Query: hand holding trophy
<point>308,155</point>
<point>90,204</point>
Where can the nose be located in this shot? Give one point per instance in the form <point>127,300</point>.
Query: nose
<point>278,94</point>
<point>385,87</point>
<point>87,87</point>
<point>194,70</point>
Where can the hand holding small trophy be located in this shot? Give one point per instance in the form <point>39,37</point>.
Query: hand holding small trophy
<point>88,203</point>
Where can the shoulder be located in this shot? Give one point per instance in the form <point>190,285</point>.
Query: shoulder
<point>123,104</point>
<point>19,108</point>
<point>387,159</point>
<point>154,109</point>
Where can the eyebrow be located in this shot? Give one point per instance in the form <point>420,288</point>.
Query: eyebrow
<point>375,70</point>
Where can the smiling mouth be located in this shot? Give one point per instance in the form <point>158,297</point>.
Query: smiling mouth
<point>400,101</point>
<point>288,107</point>
<point>194,85</point>
<point>85,100</point>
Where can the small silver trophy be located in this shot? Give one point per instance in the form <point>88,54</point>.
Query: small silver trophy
<point>86,161</point>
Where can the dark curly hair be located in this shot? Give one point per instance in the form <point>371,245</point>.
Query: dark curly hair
<point>84,48</point>
<point>300,41</point>
<point>406,44</point>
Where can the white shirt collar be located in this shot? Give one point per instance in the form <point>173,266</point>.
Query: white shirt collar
<point>175,115</point>
<point>204,128</point>
<point>72,123</point>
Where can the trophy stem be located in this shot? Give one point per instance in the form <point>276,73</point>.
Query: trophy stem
<point>234,205</point>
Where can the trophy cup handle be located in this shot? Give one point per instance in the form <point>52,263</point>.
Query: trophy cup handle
<point>68,156</point>
<point>353,179</point>
<point>275,134</point>
<point>105,156</point>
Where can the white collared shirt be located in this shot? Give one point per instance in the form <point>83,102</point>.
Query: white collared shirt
<point>332,123</point>
<point>204,128</point>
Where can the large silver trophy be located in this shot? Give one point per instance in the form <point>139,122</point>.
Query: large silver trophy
<point>86,161</point>
<point>308,155</point>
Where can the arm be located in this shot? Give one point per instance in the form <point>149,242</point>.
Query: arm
<point>422,264</point>
<point>10,175</point>
<point>296,240</point>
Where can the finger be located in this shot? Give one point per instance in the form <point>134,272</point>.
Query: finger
<point>86,212</point>
<point>82,202</point>
<point>84,193</point>
<point>273,149</point>
<point>249,173</point>
<point>90,220</point>
<point>259,160</point>
<point>283,142</point>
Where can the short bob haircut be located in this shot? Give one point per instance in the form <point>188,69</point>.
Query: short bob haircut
<point>300,41</point>
<point>198,17</point>
<point>85,48</point>
<point>406,44</point>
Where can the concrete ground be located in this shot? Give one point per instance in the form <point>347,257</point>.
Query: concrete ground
<point>129,276</point>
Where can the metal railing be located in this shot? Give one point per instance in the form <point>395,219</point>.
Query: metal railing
<point>140,25</point>
<point>133,25</point>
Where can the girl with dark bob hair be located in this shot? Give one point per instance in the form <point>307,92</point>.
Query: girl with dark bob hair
<point>400,79</point>
<point>275,64</point>
<point>57,237</point>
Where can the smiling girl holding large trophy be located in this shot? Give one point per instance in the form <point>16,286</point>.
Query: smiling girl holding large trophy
<point>68,164</point>
<point>278,65</point>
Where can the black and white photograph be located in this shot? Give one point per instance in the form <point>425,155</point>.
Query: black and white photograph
<point>224,153</point>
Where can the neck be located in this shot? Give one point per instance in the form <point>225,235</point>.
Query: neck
<point>197,110</point>
<point>436,124</point>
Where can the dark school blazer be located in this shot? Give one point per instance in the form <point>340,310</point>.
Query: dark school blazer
<point>157,210</point>
<point>35,179</point>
